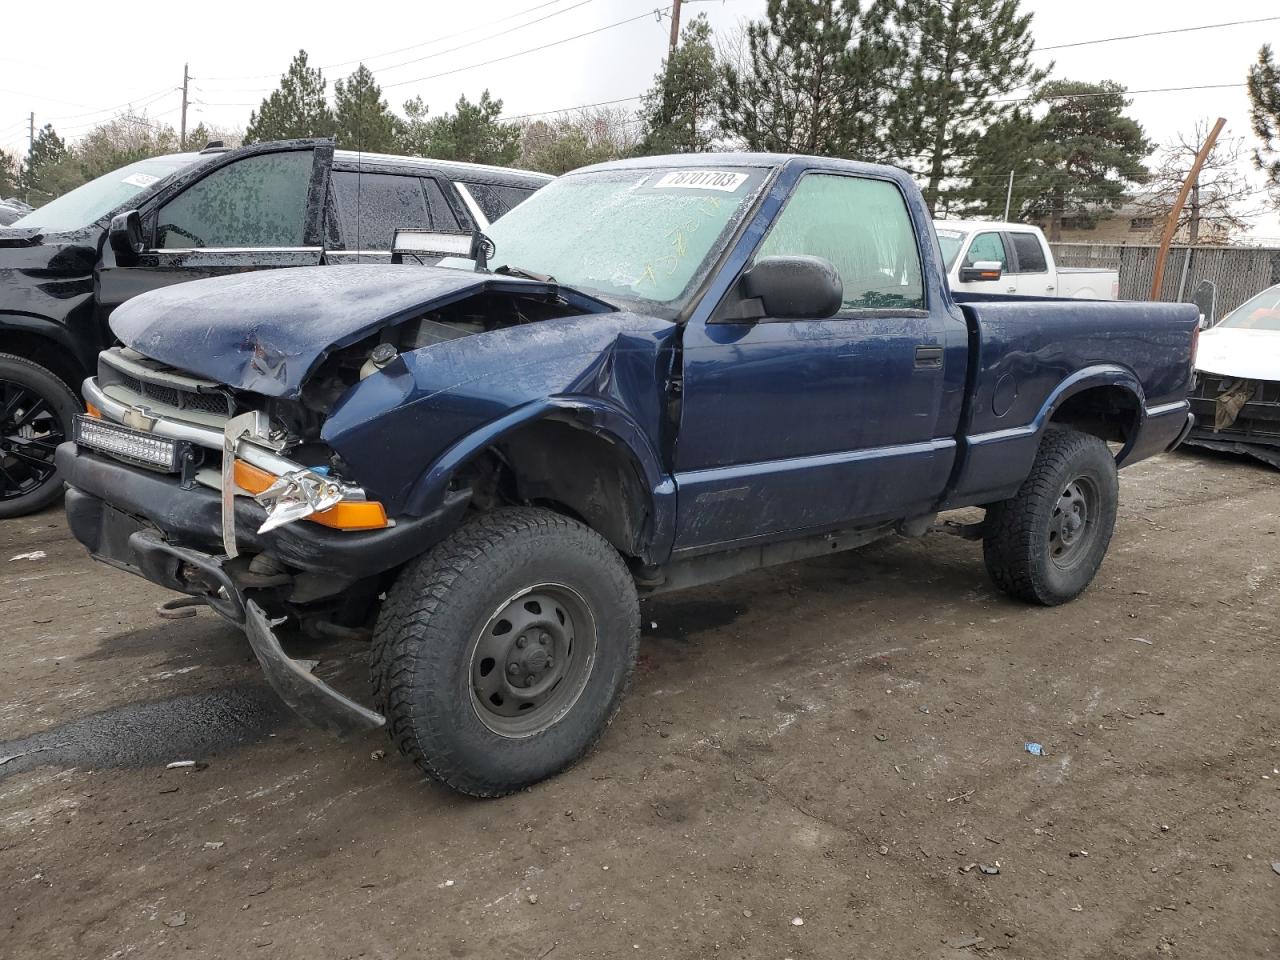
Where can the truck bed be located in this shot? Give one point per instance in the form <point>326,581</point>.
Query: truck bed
<point>1029,355</point>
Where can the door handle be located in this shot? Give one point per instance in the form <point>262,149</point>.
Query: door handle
<point>928,358</point>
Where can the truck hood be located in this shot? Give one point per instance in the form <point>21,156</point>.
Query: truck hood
<point>1238,352</point>
<point>267,331</point>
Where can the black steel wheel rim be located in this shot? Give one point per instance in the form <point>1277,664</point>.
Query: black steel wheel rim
<point>530,662</point>
<point>30,431</point>
<point>1073,525</point>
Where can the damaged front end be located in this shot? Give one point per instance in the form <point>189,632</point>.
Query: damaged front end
<point>270,476</point>
<point>1237,415</point>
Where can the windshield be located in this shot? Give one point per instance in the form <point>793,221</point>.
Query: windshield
<point>950,241</point>
<point>639,234</point>
<point>95,199</point>
<point>1260,313</point>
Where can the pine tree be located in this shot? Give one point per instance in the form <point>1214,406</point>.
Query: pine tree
<point>679,111</point>
<point>297,108</point>
<point>8,175</point>
<point>472,133</point>
<point>801,83</point>
<point>1082,156</point>
<point>961,57</point>
<point>197,138</point>
<point>38,178</point>
<point>361,118</point>
<point>1264,112</point>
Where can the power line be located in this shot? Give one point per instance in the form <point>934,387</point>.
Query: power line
<point>521,53</point>
<point>1121,93</point>
<point>414,46</point>
<point>148,97</point>
<point>581,106</point>
<point>1156,33</point>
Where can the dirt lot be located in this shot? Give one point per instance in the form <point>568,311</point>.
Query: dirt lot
<point>835,742</point>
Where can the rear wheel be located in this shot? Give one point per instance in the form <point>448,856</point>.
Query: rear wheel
<point>500,657</point>
<point>1045,544</point>
<point>37,412</point>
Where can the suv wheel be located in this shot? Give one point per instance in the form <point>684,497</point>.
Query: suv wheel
<point>37,412</point>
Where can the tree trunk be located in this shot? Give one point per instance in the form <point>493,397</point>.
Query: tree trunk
<point>1055,217</point>
<point>1193,225</point>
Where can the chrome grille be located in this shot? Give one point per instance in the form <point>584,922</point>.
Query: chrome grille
<point>156,385</point>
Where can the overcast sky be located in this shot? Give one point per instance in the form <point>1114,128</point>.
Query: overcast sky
<point>117,56</point>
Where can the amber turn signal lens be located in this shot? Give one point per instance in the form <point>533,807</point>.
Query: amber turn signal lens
<point>348,515</point>
<point>92,411</point>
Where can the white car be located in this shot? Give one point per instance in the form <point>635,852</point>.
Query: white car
<point>1236,397</point>
<point>972,248</point>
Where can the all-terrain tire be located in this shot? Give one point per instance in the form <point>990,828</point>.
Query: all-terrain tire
<point>49,408</point>
<point>1045,544</point>
<point>425,653</point>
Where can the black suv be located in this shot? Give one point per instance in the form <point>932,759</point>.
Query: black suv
<point>65,266</point>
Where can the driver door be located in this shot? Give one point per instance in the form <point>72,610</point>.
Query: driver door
<point>798,425</point>
<point>253,209</point>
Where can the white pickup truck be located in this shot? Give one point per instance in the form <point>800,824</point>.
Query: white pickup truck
<point>971,249</point>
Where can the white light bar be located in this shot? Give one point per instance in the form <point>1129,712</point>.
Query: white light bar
<point>427,243</point>
<point>133,445</point>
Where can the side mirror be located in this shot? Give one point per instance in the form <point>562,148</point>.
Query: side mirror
<point>981,270</point>
<point>125,237</point>
<point>791,288</point>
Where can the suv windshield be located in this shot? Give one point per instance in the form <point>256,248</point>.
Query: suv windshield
<point>647,235</point>
<point>1260,313</point>
<point>95,199</point>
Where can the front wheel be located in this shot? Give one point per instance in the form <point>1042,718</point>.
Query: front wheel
<point>37,412</point>
<point>1045,544</point>
<point>501,655</point>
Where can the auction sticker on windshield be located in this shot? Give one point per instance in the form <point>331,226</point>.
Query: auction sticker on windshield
<point>721,180</point>
<point>140,179</point>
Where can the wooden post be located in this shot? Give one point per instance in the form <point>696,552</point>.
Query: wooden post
<point>1171,226</point>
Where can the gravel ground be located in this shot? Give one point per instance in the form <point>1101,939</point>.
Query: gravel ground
<point>819,761</point>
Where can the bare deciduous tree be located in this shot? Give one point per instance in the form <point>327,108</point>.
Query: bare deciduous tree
<point>1218,203</point>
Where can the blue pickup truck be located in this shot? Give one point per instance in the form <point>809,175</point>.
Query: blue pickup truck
<point>676,369</point>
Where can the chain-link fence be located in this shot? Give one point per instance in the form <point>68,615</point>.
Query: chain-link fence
<point>1236,272</point>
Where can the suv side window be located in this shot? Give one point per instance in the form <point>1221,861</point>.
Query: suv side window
<point>1030,253</point>
<point>495,199</point>
<point>988,247</point>
<point>443,218</point>
<point>372,206</point>
<point>863,228</point>
<point>260,201</point>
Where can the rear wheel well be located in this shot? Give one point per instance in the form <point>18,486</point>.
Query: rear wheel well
<point>1110,413</point>
<point>559,464</point>
<point>47,353</point>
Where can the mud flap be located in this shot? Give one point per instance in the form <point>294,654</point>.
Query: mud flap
<point>309,696</point>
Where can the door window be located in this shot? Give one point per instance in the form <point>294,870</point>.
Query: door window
<point>260,201</point>
<point>372,206</point>
<point>495,199</point>
<point>987,247</point>
<point>1030,253</point>
<point>863,229</point>
<point>443,218</point>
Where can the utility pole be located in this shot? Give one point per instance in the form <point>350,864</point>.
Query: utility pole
<point>1171,225</point>
<point>1008,198</point>
<point>675,27</point>
<point>182,128</point>
<point>31,133</point>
